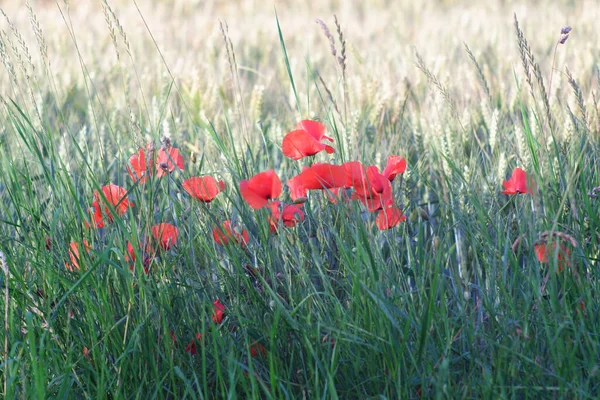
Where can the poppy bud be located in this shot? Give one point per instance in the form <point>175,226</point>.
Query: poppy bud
<point>193,157</point>
<point>423,214</point>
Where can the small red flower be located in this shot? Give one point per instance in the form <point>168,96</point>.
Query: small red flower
<point>130,257</point>
<point>367,183</point>
<point>203,188</point>
<point>395,166</point>
<point>318,176</point>
<point>116,197</point>
<point>191,348</point>
<point>225,233</point>
<point>257,349</point>
<point>517,184</point>
<point>389,217</point>
<point>139,169</point>
<point>48,243</point>
<point>74,254</point>
<point>544,252</point>
<point>218,312</point>
<point>306,140</point>
<point>262,187</point>
<point>113,195</point>
<point>373,189</point>
<point>165,234</point>
<point>167,161</point>
<point>289,214</point>
<point>173,337</point>
<point>96,216</point>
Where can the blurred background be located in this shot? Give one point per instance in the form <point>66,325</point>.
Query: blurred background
<point>133,51</point>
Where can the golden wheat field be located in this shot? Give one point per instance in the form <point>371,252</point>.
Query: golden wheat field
<point>128,53</point>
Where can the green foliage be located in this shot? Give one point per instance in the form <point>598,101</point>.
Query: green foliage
<point>451,303</point>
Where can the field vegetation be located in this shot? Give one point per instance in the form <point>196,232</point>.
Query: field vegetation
<point>297,199</point>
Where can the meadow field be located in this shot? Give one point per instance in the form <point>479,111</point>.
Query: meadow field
<point>329,199</point>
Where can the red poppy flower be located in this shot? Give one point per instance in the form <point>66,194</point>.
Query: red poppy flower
<point>290,214</point>
<point>191,348</point>
<point>389,217</point>
<point>367,182</point>
<point>257,349</point>
<point>48,243</point>
<point>96,216</point>
<point>225,233</point>
<point>395,166</point>
<point>262,187</point>
<point>130,257</point>
<point>139,169</point>
<point>318,176</point>
<point>74,254</point>
<point>167,161</point>
<point>173,337</point>
<point>165,234</point>
<point>517,184</point>
<point>314,128</point>
<point>203,188</point>
<point>373,189</point>
<point>116,197</point>
<point>218,312</point>
<point>544,252</point>
<point>305,140</point>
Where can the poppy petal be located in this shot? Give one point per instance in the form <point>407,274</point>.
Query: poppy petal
<point>203,188</point>
<point>318,176</point>
<point>262,187</point>
<point>223,234</point>
<point>517,184</point>
<point>137,167</point>
<point>314,128</point>
<point>167,161</point>
<point>299,143</point>
<point>395,166</point>
<point>165,234</point>
<point>389,217</point>
<point>218,312</point>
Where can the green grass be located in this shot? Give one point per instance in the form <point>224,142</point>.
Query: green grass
<point>443,305</point>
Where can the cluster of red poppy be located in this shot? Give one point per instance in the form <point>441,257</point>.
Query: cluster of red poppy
<point>341,183</point>
<point>114,198</point>
<point>349,181</point>
<point>367,184</point>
